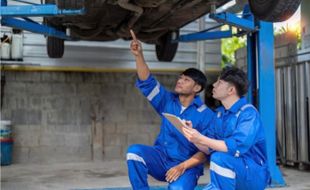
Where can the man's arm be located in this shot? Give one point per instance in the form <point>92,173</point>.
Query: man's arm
<point>202,142</point>
<point>202,148</point>
<point>136,49</point>
<point>175,172</point>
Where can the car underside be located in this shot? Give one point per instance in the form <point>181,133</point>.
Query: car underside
<point>156,22</point>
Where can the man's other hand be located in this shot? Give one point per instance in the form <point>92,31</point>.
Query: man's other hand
<point>175,172</point>
<point>190,133</point>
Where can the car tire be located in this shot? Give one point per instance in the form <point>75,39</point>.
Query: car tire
<point>70,4</point>
<point>55,47</point>
<point>165,49</point>
<point>273,10</point>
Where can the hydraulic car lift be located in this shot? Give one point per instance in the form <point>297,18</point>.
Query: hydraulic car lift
<point>260,57</point>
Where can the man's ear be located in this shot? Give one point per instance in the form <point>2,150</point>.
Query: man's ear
<point>197,88</point>
<point>232,90</point>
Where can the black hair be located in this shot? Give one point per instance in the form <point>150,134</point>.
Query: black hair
<point>236,77</point>
<point>197,76</point>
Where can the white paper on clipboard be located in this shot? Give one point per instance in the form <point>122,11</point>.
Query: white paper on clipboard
<point>175,120</point>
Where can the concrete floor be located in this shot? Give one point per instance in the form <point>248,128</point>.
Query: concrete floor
<point>99,175</point>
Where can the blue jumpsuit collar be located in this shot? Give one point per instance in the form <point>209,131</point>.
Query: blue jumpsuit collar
<point>237,105</point>
<point>197,100</point>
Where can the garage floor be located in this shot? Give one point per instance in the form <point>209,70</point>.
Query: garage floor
<point>100,175</point>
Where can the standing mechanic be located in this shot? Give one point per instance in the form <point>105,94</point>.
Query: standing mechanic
<point>172,158</point>
<point>235,139</point>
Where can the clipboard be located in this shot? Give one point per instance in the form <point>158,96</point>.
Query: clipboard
<point>175,120</point>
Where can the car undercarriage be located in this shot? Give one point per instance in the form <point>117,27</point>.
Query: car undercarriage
<point>155,22</point>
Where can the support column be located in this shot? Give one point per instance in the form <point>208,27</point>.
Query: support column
<point>266,95</point>
<point>201,56</point>
<point>251,68</point>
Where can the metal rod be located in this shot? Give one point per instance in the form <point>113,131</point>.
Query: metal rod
<point>26,2</point>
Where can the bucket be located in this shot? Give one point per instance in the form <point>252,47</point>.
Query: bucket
<point>6,151</point>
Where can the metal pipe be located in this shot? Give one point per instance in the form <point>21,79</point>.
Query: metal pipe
<point>134,8</point>
<point>3,81</point>
<point>166,16</point>
<point>26,2</point>
<point>201,51</point>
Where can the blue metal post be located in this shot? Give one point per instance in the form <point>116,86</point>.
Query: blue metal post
<point>4,2</point>
<point>251,68</point>
<point>251,57</point>
<point>266,95</point>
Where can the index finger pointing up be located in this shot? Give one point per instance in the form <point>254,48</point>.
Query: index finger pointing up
<point>133,35</point>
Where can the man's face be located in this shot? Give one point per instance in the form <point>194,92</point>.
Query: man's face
<point>221,89</point>
<point>186,85</point>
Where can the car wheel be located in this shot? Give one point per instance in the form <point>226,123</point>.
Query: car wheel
<point>165,49</point>
<point>273,10</point>
<point>70,4</point>
<point>55,47</point>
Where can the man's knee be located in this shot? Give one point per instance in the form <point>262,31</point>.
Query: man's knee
<point>176,186</point>
<point>187,181</point>
<point>185,184</point>
<point>135,153</point>
<point>135,149</point>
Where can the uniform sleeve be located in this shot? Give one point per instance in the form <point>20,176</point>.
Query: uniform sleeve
<point>208,128</point>
<point>243,138</point>
<point>155,93</point>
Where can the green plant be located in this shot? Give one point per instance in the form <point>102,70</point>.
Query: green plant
<point>229,46</point>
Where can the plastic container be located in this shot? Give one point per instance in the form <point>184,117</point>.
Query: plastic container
<point>5,129</point>
<point>17,47</point>
<point>5,51</point>
<point>6,151</point>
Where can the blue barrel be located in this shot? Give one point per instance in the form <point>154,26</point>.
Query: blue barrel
<point>6,151</point>
<point>6,141</point>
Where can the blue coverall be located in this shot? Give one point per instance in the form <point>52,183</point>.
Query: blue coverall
<point>171,147</point>
<point>244,166</point>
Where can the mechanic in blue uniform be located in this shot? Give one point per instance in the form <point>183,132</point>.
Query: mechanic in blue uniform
<point>235,137</point>
<point>172,158</point>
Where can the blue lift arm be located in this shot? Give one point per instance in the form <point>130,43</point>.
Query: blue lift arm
<point>8,12</point>
<point>246,23</point>
<point>36,10</point>
<point>233,20</point>
<point>261,73</point>
<point>34,27</point>
<point>205,35</point>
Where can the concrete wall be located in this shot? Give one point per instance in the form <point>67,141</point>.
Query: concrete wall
<point>67,117</point>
